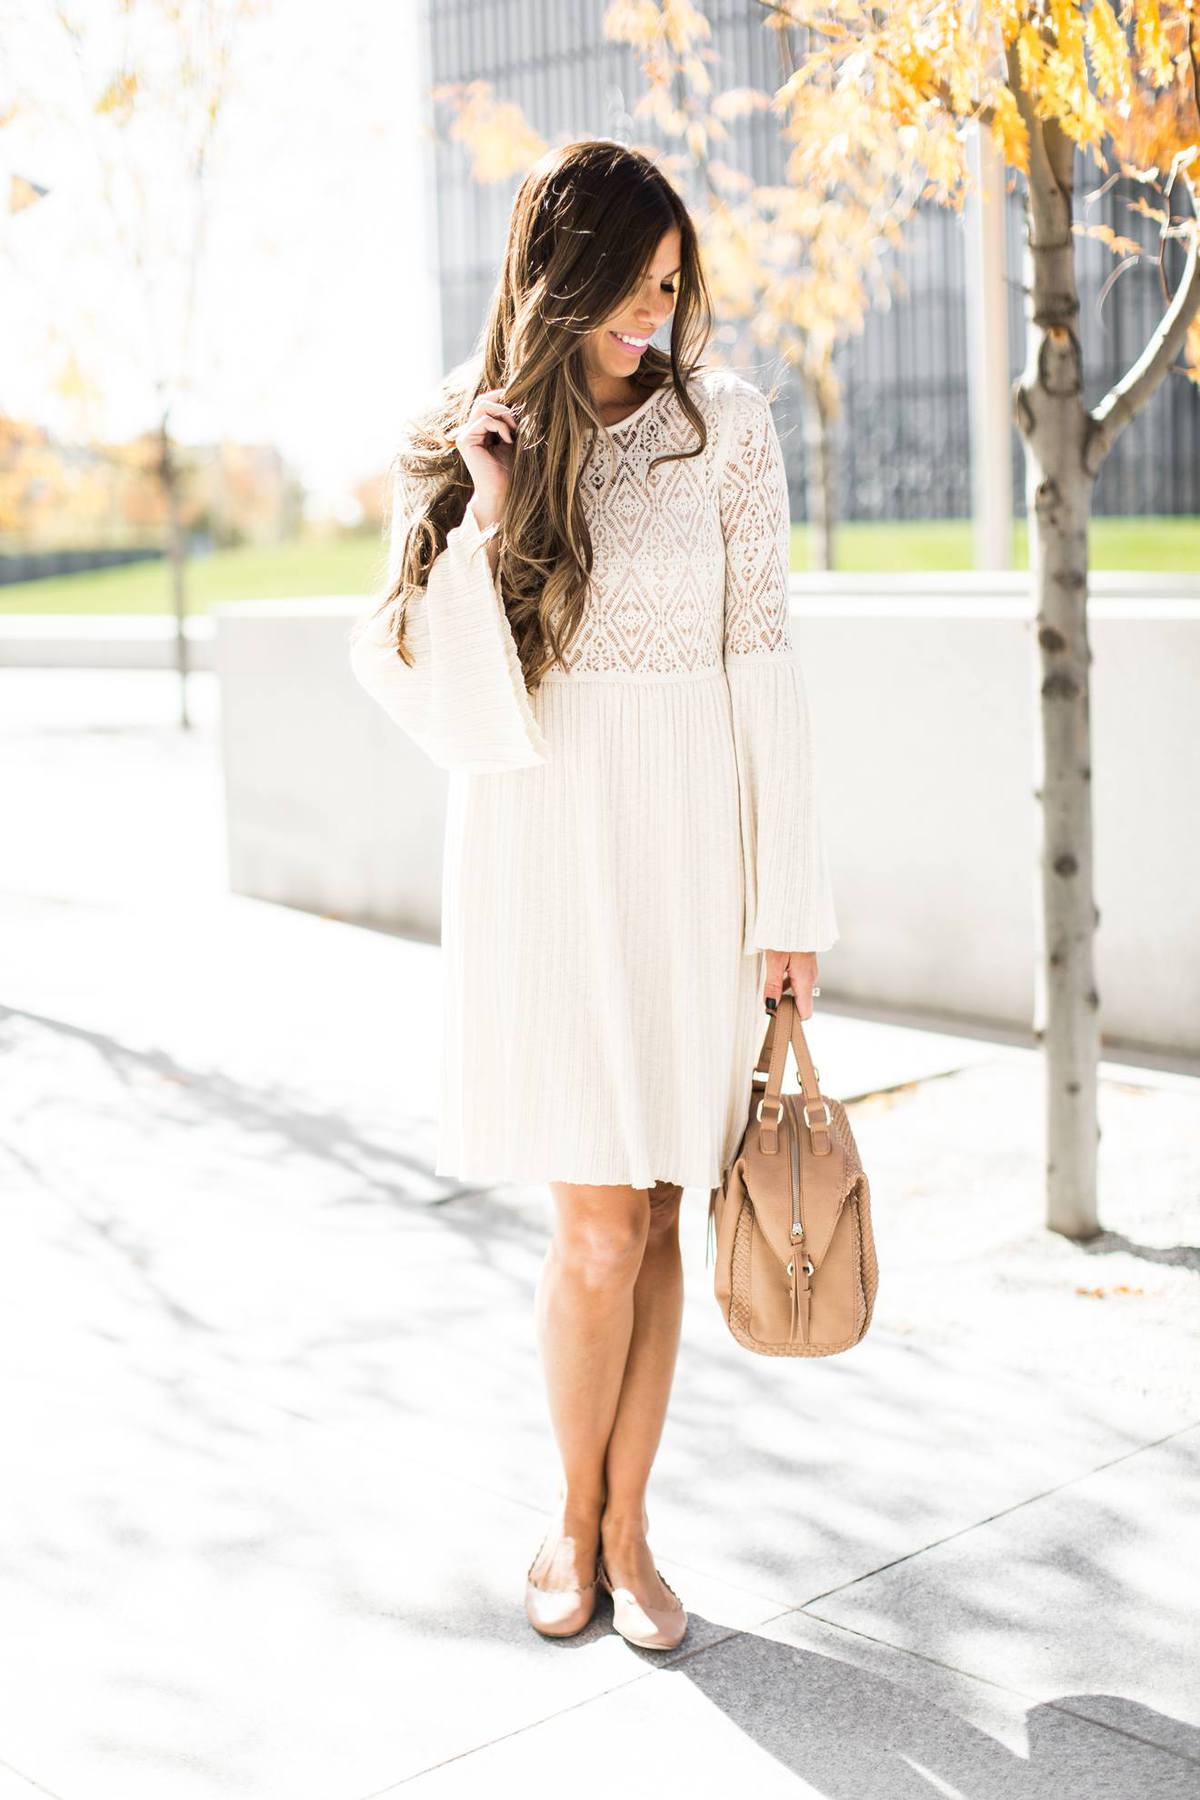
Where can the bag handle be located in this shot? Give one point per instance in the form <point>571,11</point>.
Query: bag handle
<point>773,1058</point>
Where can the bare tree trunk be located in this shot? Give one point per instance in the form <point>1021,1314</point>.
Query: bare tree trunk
<point>819,471</point>
<point>169,475</point>
<point>1065,446</point>
<point>1054,423</point>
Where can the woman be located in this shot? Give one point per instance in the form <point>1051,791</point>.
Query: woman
<point>586,623</point>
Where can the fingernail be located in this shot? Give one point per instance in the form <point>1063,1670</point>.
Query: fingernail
<point>771,1005</point>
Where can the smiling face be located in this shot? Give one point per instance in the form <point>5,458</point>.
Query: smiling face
<point>615,348</point>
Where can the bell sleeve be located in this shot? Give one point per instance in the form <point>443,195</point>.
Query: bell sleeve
<point>788,894</point>
<point>463,701</point>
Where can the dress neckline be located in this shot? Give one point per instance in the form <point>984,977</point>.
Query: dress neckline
<point>638,410</point>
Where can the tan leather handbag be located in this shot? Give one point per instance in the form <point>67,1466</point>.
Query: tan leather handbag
<point>795,1272</point>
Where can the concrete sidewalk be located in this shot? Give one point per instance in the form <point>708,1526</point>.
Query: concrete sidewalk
<point>277,1455</point>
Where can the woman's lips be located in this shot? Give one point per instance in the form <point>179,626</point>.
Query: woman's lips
<point>628,341</point>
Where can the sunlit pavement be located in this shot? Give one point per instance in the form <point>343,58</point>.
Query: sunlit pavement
<point>276,1453</point>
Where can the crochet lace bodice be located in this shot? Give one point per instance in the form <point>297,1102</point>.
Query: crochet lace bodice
<point>690,558</point>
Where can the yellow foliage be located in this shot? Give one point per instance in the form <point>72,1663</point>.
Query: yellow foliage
<point>1120,246</point>
<point>1099,1293</point>
<point>648,24</point>
<point>118,96</point>
<point>1009,132</point>
<point>697,74</point>
<point>1109,54</point>
<point>1067,16</point>
<point>684,25</point>
<point>736,103</point>
<point>73,383</point>
<point>1010,17</point>
<point>1159,125</point>
<point>1151,212</point>
<point>729,180</point>
<point>656,103</point>
<point>1192,351</point>
<point>1031,58</point>
<point>636,22</point>
<point>1154,56</point>
<point>497,134</point>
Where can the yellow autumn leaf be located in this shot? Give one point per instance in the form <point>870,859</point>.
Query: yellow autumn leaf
<point>736,103</point>
<point>1009,132</point>
<point>1120,246</point>
<point>118,96</point>
<point>685,24</point>
<point>697,75</point>
<point>1109,52</point>
<point>1154,56</point>
<point>633,22</point>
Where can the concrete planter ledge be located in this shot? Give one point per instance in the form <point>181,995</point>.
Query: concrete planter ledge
<point>924,716</point>
<point>100,641</point>
<point>147,641</point>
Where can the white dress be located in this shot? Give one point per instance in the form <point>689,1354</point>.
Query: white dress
<point>622,844</point>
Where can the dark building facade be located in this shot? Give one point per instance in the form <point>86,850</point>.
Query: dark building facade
<point>903,440</point>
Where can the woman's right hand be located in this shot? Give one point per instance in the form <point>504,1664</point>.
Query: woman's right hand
<point>489,465</point>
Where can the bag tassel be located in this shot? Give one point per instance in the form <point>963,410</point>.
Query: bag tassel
<point>801,1301</point>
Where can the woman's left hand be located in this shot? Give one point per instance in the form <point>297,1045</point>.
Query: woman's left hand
<point>798,968</point>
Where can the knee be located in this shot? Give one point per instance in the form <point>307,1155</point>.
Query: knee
<point>602,1245</point>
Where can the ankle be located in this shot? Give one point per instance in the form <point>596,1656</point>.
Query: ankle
<point>623,1524</point>
<point>580,1512</point>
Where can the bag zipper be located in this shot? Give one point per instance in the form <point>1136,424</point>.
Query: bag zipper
<point>794,1145</point>
<point>799,1295</point>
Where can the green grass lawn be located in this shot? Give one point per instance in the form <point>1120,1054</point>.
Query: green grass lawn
<point>1156,545</point>
<point>351,563</point>
<point>341,565</point>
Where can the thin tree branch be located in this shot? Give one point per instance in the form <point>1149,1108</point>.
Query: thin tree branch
<point>940,90</point>
<point>1125,400</point>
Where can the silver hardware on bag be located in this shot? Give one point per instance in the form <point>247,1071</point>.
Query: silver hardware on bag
<point>825,1121</point>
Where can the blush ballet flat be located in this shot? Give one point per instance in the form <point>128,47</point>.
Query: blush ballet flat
<point>649,1627</point>
<point>558,1612</point>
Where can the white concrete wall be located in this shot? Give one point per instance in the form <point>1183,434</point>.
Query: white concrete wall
<point>100,641</point>
<point>328,805</point>
<point>925,714</point>
<point>924,707</point>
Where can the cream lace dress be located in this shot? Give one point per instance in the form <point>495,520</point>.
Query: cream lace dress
<point>623,843</point>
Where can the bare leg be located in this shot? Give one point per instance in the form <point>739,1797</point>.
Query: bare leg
<point>642,1405</point>
<point>585,1322</point>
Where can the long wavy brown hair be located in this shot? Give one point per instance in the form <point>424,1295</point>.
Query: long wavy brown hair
<point>585,225</point>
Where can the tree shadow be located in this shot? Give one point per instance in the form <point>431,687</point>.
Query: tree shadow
<point>854,1734</point>
<point>1174,1256</point>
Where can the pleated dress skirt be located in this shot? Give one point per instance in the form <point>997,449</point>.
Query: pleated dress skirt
<point>600,1016</point>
